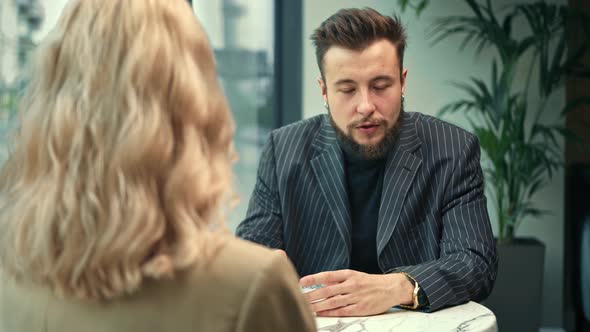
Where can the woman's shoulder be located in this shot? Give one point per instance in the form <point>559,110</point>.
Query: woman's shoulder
<point>245,259</point>
<point>238,270</point>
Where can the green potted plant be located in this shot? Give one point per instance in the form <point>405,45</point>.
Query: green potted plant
<point>520,139</point>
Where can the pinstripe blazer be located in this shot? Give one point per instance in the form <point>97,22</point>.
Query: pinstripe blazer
<point>433,221</point>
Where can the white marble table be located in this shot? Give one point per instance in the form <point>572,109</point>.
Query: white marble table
<point>470,316</point>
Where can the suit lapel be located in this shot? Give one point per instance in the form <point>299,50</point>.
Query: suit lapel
<point>400,169</point>
<point>328,167</point>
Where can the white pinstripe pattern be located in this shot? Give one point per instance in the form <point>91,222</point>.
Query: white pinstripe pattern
<point>433,222</point>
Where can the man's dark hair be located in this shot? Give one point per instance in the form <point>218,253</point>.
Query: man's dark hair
<point>355,29</point>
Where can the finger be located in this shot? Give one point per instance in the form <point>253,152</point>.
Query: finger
<point>326,292</point>
<point>331,303</point>
<point>346,311</point>
<point>328,277</point>
<point>281,251</point>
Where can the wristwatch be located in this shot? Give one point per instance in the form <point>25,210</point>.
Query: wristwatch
<point>416,302</point>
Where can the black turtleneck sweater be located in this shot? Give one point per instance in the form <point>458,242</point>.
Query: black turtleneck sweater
<point>364,180</point>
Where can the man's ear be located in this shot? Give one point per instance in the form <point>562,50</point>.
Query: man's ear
<point>323,89</point>
<point>404,75</point>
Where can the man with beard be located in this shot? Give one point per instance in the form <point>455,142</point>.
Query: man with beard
<point>380,206</point>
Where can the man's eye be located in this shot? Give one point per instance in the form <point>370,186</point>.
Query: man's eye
<point>380,87</point>
<point>347,91</point>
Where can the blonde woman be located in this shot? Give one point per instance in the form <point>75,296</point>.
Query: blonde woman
<point>111,201</point>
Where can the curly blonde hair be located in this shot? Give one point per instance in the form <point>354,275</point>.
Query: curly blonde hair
<point>122,161</point>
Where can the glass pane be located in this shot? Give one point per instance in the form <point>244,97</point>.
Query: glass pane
<point>242,35</point>
<point>21,23</point>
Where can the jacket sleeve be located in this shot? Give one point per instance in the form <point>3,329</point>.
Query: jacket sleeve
<point>263,223</point>
<point>274,302</point>
<point>467,267</point>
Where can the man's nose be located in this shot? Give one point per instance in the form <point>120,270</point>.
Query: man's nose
<point>366,105</point>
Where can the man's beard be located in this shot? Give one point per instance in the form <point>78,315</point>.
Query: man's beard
<point>368,151</point>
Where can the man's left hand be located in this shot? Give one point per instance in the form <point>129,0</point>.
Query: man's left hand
<point>354,293</point>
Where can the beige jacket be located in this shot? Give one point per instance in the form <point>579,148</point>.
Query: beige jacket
<point>246,288</point>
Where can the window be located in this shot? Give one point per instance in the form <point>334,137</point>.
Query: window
<point>19,21</point>
<point>252,57</point>
<point>242,35</point>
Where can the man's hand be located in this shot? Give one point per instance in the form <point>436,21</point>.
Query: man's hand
<point>353,293</point>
